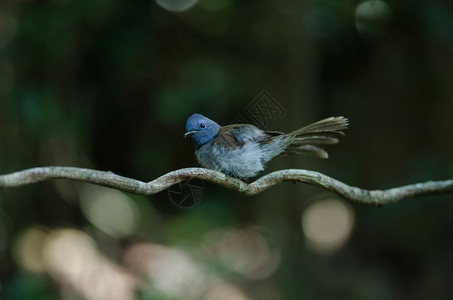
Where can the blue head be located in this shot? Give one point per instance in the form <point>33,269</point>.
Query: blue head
<point>201,129</point>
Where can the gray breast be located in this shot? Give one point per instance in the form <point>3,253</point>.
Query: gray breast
<point>243,162</point>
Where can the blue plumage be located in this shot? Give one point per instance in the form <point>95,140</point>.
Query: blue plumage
<point>242,150</point>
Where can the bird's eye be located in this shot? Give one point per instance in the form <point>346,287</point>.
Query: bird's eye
<point>202,125</point>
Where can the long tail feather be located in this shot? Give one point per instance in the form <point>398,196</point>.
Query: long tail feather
<point>324,132</point>
<point>332,124</point>
<point>307,150</point>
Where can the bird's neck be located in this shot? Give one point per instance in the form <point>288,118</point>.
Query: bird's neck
<point>204,142</point>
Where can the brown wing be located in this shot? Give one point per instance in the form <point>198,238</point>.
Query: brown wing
<point>234,136</point>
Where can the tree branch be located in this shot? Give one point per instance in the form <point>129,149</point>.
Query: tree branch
<point>109,179</point>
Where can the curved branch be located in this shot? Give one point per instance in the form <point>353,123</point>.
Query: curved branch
<point>109,179</point>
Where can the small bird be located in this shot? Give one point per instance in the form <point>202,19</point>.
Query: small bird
<point>242,150</point>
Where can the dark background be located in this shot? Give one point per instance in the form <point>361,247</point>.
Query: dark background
<point>109,84</point>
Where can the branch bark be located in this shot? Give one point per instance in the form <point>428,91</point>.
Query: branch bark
<point>109,179</point>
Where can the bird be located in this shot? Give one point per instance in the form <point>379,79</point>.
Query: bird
<point>242,150</point>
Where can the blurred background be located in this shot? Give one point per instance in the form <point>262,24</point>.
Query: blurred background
<point>109,84</point>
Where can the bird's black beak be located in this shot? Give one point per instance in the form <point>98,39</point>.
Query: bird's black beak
<point>190,133</point>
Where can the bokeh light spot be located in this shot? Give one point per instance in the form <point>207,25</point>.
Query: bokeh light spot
<point>28,249</point>
<point>224,291</point>
<point>110,210</point>
<point>171,270</point>
<point>245,251</point>
<point>70,253</point>
<point>176,5</point>
<point>108,282</point>
<point>327,224</point>
<point>371,17</point>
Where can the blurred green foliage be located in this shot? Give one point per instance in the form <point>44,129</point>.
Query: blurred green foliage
<point>109,84</point>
